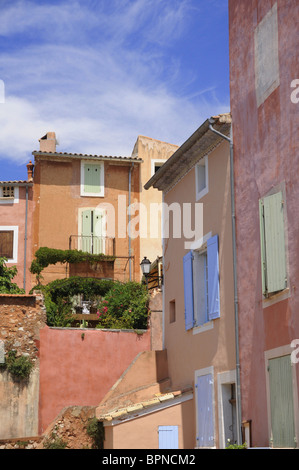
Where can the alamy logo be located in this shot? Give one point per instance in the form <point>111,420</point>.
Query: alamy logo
<point>159,220</point>
<point>295,353</point>
<point>295,93</point>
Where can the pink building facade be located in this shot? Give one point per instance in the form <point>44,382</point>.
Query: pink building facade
<point>16,207</point>
<point>264,68</point>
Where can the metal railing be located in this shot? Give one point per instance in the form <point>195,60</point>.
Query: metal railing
<point>92,244</point>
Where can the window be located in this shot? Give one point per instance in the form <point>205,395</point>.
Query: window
<point>201,178</point>
<point>92,179</point>
<point>9,194</point>
<point>172,311</point>
<point>273,253</point>
<point>266,56</point>
<point>9,243</point>
<point>156,164</point>
<point>201,285</point>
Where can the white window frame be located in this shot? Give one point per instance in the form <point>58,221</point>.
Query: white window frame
<point>102,178</point>
<point>154,162</point>
<point>203,191</point>
<point>15,229</point>
<point>9,200</point>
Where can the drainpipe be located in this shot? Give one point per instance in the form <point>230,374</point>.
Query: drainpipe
<point>25,238</point>
<point>238,389</point>
<point>129,213</point>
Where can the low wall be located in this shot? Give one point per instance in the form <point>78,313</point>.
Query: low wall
<point>79,366</point>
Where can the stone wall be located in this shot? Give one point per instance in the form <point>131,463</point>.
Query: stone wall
<point>21,317</point>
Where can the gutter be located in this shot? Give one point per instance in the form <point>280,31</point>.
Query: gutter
<point>238,389</point>
<point>25,238</point>
<point>129,225</point>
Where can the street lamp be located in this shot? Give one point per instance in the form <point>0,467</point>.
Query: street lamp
<point>145,266</point>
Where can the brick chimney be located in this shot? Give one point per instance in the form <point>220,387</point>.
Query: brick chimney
<point>48,142</point>
<point>30,167</point>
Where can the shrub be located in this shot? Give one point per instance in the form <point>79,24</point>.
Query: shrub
<point>20,367</point>
<point>45,256</point>
<point>54,442</point>
<point>95,429</point>
<point>125,306</point>
<point>6,276</point>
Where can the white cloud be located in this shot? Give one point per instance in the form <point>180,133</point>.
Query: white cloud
<point>96,95</point>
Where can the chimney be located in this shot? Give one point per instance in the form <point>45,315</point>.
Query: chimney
<point>48,142</point>
<point>30,167</point>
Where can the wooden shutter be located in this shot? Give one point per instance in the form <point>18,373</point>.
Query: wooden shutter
<point>188,290</point>
<point>86,231</point>
<point>6,244</point>
<point>204,403</point>
<point>98,240</point>
<point>168,437</point>
<point>274,242</point>
<point>92,178</point>
<point>281,401</point>
<point>213,278</point>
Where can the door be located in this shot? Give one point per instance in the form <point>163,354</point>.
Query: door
<point>281,401</point>
<point>168,437</point>
<point>205,415</point>
<point>92,240</point>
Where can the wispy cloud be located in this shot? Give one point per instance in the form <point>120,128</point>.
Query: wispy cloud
<point>95,72</point>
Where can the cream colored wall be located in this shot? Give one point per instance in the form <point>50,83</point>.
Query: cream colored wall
<point>149,150</point>
<point>216,346</point>
<point>142,432</point>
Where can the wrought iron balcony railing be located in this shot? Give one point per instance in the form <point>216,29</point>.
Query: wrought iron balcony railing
<point>92,244</point>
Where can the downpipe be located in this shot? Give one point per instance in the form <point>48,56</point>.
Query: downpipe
<point>236,309</point>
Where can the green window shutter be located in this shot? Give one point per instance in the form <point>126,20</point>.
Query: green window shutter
<point>92,178</point>
<point>274,243</point>
<point>86,231</point>
<point>98,241</point>
<point>263,248</point>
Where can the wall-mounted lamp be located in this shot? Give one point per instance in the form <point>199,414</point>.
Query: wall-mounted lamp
<point>146,268</point>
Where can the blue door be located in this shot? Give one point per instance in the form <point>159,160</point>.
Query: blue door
<point>168,437</point>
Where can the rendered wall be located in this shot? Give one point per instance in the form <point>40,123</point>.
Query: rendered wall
<point>265,129</point>
<point>58,202</point>
<point>142,433</point>
<point>79,366</point>
<point>215,346</point>
<point>15,215</point>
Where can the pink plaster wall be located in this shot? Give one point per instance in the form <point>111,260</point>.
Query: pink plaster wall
<point>80,371</point>
<point>266,155</point>
<point>14,215</point>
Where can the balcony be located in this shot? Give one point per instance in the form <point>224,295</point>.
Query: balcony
<point>92,244</point>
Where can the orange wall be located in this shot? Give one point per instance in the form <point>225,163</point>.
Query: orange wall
<point>76,370</point>
<point>58,200</point>
<point>142,433</point>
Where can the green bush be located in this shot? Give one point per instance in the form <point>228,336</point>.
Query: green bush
<point>20,367</point>
<point>45,256</point>
<point>6,276</point>
<point>95,429</point>
<point>58,296</point>
<point>54,442</point>
<point>125,306</point>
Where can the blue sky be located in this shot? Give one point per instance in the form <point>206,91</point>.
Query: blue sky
<point>101,72</point>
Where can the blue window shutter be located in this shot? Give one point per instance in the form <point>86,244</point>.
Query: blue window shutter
<point>213,278</point>
<point>168,437</point>
<point>188,290</point>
